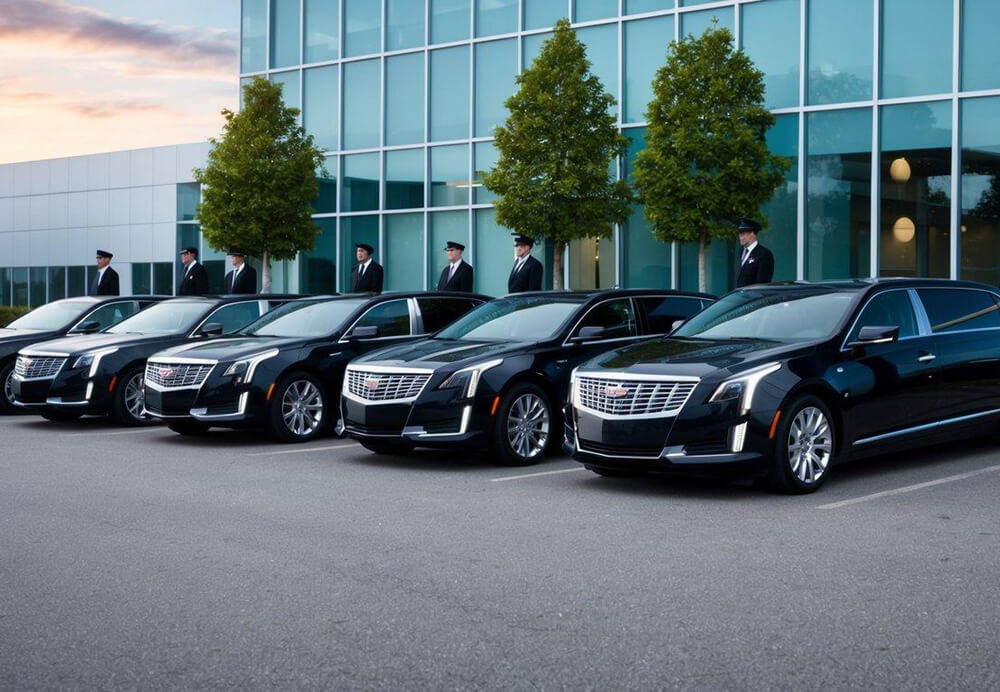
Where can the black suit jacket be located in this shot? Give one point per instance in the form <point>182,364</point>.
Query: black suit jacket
<point>195,282</point>
<point>758,269</point>
<point>462,281</point>
<point>527,278</point>
<point>108,285</point>
<point>371,280</point>
<point>246,282</point>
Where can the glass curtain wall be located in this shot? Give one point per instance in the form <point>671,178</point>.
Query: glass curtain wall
<point>979,248</point>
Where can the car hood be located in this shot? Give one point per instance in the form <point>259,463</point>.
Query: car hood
<point>12,339</point>
<point>434,353</point>
<point>694,357</point>
<point>230,348</point>
<point>86,343</point>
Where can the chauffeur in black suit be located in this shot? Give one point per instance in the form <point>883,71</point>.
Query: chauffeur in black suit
<point>106,281</point>
<point>243,278</point>
<point>756,264</point>
<point>194,280</point>
<point>526,274</point>
<point>366,277</point>
<point>457,276</point>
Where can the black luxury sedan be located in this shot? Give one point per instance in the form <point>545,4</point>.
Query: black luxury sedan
<point>84,315</point>
<point>102,373</point>
<point>496,378</point>
<point>783,380</point>
<point>284,371</point>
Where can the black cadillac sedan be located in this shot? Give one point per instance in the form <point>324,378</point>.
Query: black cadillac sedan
<point>102,373</point>
<point>282,372</point>
<point>495,379</point>
<point>84,315</point>
<point>782,381</point>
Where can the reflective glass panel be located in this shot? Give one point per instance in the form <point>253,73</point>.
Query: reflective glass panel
<point>539,14</point>
<point>839,51</point>
<point>496,17</point>
<point>494,242</point>
<point>245,81</point>
<point>646,42</point>
<point>916,48</point>
<point>602,52</point>
<point>361,104</point>
<point>354,230</point>
<point>587,10</point>
<point>142,278</point>
<point>284,33</point>
<point>317,268</point>
<point>446,226</point>
<point>496,66</point>
<point>592,263</point>
<point>362,27</point>
<point>782,211</point>
<point>640,6</point>
<point>322,29</point>
<point>695,23</point>
<point>404,251</point>
<point>979,257</point>
<point>645,258</point>
<point>689,3</point>
<point>404,96</point>
<point>450,175</point>
<point>915,200</point>
<point>76,282</point>
<point>405,19</point>
<point>326,200</point>
<point>188,197</point>
<point>57,283</point>
<point>449,20</point>
<point>319,116</point>
<point>404,179</point>
<point>38,286</point>
<point>771,39</point>
<point>163,278</point>
<point>486,156</point>
<point>531,46</point>
<point>253,50</point>
<point>720,262</point>
<point>360,186</point>
<point>980,19</point>
<point>838,194</point>
<point>289,82</point>
<point>450,93</point>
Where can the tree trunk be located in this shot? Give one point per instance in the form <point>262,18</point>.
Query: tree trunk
<point>701,262</point>
<point>557,265</point>
<point>265,272</point>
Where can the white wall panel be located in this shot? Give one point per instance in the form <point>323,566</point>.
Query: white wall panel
<point>78,173</point>
<point>121,243</point>
<point>119,203</point>
<point>76,244</point>
<point>141,172</point>
<point>189,156</point>
<point>164,165</point>
<point>59,210</point>
<point>22,213</point>
<point>98,238</point>
<point>119,169</point>
<point>22,178</point>
<point>164,242</point>
<point>58,175</point>
<point>6,180</point>
<point>38,249</point>
<point>97,208</point>
<point>39,211</point>
<point>141,204</point>
<point>19,250</point>
<point>97,171</point>
<point>59,248</point>
<point>6,215</point>
<point>76,211</point>
<point>141,242</point>
<point>164,203</point>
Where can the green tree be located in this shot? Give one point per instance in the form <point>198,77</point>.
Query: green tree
<point>555,150</point>
<point>260,180</point>
<point>706,161</point>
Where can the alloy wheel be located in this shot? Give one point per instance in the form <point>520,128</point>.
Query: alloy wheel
<point>135,396</point>
<point>8,389</point>
<point>528,426</point>
<point>302,408</point>
<point>810,445</point>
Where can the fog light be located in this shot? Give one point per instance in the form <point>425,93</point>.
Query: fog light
<point>736,437</point>
<point>90,390</point>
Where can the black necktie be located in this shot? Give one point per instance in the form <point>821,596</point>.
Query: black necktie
<point>746,253</point>
<point>361,271</point>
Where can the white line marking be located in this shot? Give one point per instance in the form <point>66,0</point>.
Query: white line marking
<point>533,475</point>
<point>117,432</point>
<point>303,451</point>
<point>910,488</point>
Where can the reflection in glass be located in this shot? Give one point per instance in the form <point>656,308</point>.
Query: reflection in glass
<point>838,194</point>
<point>782,210</point>
<point>284,33</point>
<point>496,66</point>
<point>361,104</point>
<point>187,201</point>
<point>38,287</point>
<point>771,39</point>
<point>254,42</point>
<point>588,10</point>
<point>449,20</point>
<point>640,6</point>
<point>496,17</point>
<point>696,23</point>
<point>720,264</point>
<point>317,270</point>
<point>360,186</point>
<point>486,156</point>
<point>405,19</point>
<point>404,179</point>
<point>980,191</point>
<point>404,251</point>
<point>163,278</point>
<point>76,283</point>
<point>493,242</point>
<point>602,52</point>
<point>531,46</point>
<point>980,19</point>
<point>289,82</point>
<point>245,81</point>
<point>322,29</point>
<point>354,230</point>
<point>57,283</point>
<point>839,51</point>
<point>450,93</point>
<point>445,226</point>
<point>326,200</point>
<point>319,117</point>
<point>362,27</point>
<point>645,259</point>
<point>450,175</point>
<point>539,14</point>
<point>142,278</point>
<point>646,42</point>
<point>916,48</point>
<point>404,95</point>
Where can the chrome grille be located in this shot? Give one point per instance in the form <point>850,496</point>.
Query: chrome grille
<point>625,397</point>
<point>385,386</point>
<point>38,367</point>
<point>177,375</point>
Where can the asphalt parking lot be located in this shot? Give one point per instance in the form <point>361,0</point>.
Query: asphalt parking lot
<point>139,559</point>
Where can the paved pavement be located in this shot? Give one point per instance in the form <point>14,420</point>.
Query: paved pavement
<point>139,559</point>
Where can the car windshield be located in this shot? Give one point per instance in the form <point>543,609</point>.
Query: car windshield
<point>792,316</point>
<point>52,316</point>
<point>169,317</point>
<point>304,318</point>
<point>520,319</point>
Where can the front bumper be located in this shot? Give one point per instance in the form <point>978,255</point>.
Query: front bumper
<point>438,418</point>
<point>68,390</point>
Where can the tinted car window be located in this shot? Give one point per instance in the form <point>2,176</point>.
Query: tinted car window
<point>661,313</point>
<point>305,318</point>
<point>956,309</point>
<point>438,313</point>
<point>112,313</point>
<point>890,309</point>
<point>51,316</point>
<point>169,317</point>
<point>616,316</point>
<point>392,318</point>
<point>520,318</point>
<point>235,315</point>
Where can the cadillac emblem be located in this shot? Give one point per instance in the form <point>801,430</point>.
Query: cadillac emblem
<point>28,362</point>
<point>615,391</point>
<point>373,383</point>
<point>167,373</point>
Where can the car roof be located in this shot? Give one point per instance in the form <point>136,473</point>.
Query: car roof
<point>585,295</point>
<point>418,294</point>
<point>870,284</point>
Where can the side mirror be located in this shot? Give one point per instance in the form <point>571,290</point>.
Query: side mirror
<point>370,332</point>
<point>211,329</point>
<point>677,325</point>
<point>588,334</point>
<point>875,335</point>
<point>88,327</point>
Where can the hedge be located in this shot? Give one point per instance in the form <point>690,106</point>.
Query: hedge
<point>8,313</point>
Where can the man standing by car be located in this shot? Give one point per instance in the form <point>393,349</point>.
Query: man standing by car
<point>366,277</point>
<point>457,276</point>
<point>194,280</point>
<point>526,274</point>
<point>106,281</point>
<point>756,264</point>
<point>243,278</point>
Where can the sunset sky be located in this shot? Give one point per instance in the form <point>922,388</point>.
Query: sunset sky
<point>85,76</point>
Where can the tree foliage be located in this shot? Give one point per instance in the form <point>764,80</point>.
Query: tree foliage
<point>555,150</point>
<point>706,161</point>
<point>260,180</point>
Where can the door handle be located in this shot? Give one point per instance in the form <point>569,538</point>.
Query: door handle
<point>926,358</point>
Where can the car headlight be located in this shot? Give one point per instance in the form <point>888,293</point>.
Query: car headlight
<point>243,369</point>
<point>743,386</point>
<point>468,378</point>
<point>572,386</point>
<point>92,360</point>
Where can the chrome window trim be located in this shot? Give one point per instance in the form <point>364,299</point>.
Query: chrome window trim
<point>924,427</point>
<point>104,305</point>
<point>260,303</point>
<point>918,313</point>
<point>411,306</point>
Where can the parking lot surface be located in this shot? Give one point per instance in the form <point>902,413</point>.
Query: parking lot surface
<point>137,558</point>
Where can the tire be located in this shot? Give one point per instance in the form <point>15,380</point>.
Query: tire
<point>299,409</point>
<point>804,447</point>
<point>61,416</point>
<point>525,426</point>
<point>614,473</point>
<point>188,427</point>
<point>129,396</point>
<point>388,448</point>
<point>6,395</point>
